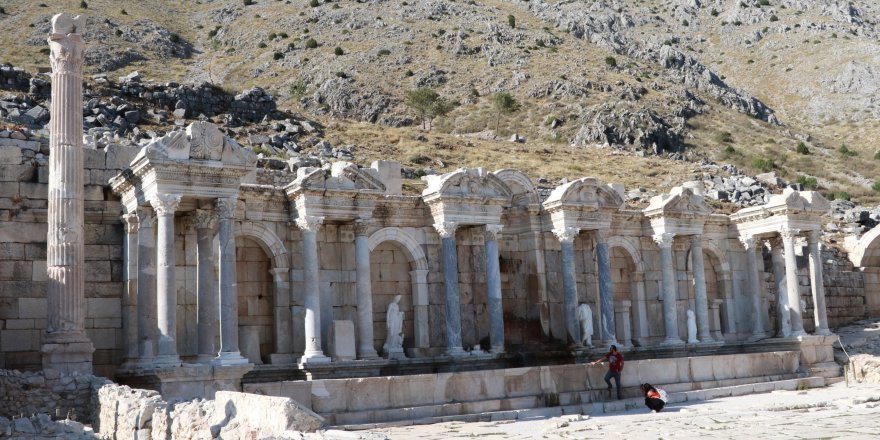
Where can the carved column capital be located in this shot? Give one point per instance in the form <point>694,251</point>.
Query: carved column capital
<point>492,231</point>
<point>813,236</point>
<point>601,236</point>
<point>204,219</point>
<point>748,242</point>
<point>309,223</point>
<point>697,240</point>
<point>165,204</point>
<point>446,229</point>
<point>566,235</point>
<point>226,207</point>
<point>664,240</point>
<point>361,227</point>
<point>788,233</point>
<point>146,217</point>
<point>66,44</point>
<point>130,221</point>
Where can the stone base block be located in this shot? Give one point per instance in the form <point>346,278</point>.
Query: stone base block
<point>817,353</point>
<point>230,358</point>
<point>282,359</point>
<point>314,358</point>
<point>342,341</point>
<point>395,355</point>
<point>455,352</point>
<point>69,357</point>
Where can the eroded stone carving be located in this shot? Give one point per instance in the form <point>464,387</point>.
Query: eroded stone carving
<point>394,325</point>
<point>585,318</point>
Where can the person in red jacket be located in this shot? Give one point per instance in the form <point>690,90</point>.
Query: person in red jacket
<point>655,399</point>
<point>615,367</point>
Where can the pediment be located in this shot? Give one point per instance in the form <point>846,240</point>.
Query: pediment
<point>340,176</point>
<point>467,183</point>
<point>679,201</point>
<point>586,192</point>
<point>199,141</point>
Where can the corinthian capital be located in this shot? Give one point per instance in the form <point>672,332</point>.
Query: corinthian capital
<point>566,235</point>
<point>788,233</point>
<point>130,221</point>
<point>204,219</point>
<point>66,44</point>
<point>226,207</point>
<point>309,223</point>
<point>664,240</point>
<point>492,231</point>
<point>446,229</point>
<point>361,227</point>
<point>748,242</point>
<point>146,217</point>
<point>166,204</point>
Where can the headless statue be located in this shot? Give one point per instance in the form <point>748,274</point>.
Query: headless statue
<point>692,327</point>
<point>394,325</point>
<point>585,318</point>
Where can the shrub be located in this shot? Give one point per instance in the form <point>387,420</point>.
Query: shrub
<point>338,51</point>
<point>408,73</point>
<point>213,33</point>
<point>808,183</point>
<point>277,56</point>
<point>685,23</point>
<point>840,195</point>
<point>2,10</point>
<point>123,12</point>
<point>802,148</point>
<point>877,155</point>
<point>314,3</point>
<point>383,52</point>
<point>846,152</point>
<point>765,165</point>
<point>83,5</point>
<point>774,18</point>
<point>118,32</point>
<point>763,2</point>
<point>714,12</point>
<point>248,2</point>
<point>174,38</point>
<point>724,137</point>
<point>876,186</point>
<point>311,43</point>
<point>261,45</point>
<point>511,21</point>
<point>610,61</point>
<point>342,75</point>
<point>298,88</point>
<point>272,36</point>
<point>729,149</point>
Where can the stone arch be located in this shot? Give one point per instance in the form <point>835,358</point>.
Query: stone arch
<point>401,237</point>
<point>631,317</point>
<point>865,252</point>
<point>521,187</point>
<point>418,278</point>
<point>633,252</point>
<point>275,250</point>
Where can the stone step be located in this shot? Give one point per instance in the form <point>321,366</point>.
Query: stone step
<point>528,407</point>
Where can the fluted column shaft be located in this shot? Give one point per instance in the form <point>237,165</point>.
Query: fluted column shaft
<point>450,281</point>
<point>366,349</point>
<point>229,350</point>
<point>312,295</point>
<point>146,284</point>
<point>166,291</point>
<point>670,293</point>
<point>794,298</point>
<point>758,330</point>
<point>701,298</point>
<point>606,293</point>
<point>493,287</point>
<point>820,314</point>
<point>208,312</point>
<point>782,313</point>
<point>566,238</point>
<point>129,299</point>
<point>66,347</point>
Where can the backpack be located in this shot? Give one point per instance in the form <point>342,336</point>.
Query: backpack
<point>663,395</point>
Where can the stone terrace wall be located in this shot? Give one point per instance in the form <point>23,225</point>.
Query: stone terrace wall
<point>60,396</point>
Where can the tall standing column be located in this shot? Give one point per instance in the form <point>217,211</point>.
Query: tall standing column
<point>146,285</point>
<point>782,314</point>
<point>229,352</point>
<point>566,238</point>
<point>129,299</point>
<point>701,299</point>
<point>66,347</point>
<point>670,293</point>
<point>450,284</point>
<point>794,297</point>
<point>312,298</point>
<point>166,291</point>
<point>493,286</point>
<point>208,312</point>
<point>820,314</point>
<point>749,242</point>
<point>366,350</point>
<point>606,294</point>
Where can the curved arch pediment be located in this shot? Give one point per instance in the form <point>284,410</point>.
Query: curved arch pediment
<point>341,176</point>
<point>467,182</point>
<point>587,192</point>
<point>521,187</point>
<point>200,141</point>
<point>679,201</point>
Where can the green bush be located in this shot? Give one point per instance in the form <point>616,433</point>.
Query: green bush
<point>774,18</point>
<point>314,3</point>
<point>511,21</point>
<point>808,183</point>
<point>765,165</point>
<point>174,38</point>
<point>83,5</point>
<point>876,186</point>
<point>338,51</point>
<point>311,43</point>
<point>729,149</point>
<point>877,155</point>
<point>724,137</point>
<point>840,195</point>
<point>277,56</point>
<point>123,12</point>
<point>802,148</point>
<point>610,61</point>
<point>248,2</point>
<point>763,2</point>
<point>342,75</point>
<point>714,12</point>
<point>262,45</point>
<point>383,52</point>
<point>408,73</point>
<point>846,152</point>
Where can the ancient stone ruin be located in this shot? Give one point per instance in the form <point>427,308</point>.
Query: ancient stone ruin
<point>183,268</point>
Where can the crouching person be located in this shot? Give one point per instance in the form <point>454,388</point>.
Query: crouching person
<point>655,399</point>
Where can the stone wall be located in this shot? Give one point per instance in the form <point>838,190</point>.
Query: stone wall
<point>124,413</point>
<point>60,396</point>
<point>203,99</point>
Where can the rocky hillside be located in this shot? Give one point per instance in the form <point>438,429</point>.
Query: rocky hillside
<point>765,85</point>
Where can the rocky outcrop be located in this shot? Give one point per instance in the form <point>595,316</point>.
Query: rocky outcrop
<point>641,128</point>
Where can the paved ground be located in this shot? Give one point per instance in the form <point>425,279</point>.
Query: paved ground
<point>837,411</point>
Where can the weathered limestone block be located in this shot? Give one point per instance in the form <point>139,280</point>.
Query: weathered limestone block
<point>266,416</point>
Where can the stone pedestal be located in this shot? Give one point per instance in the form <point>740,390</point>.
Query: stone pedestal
<point>341,344</point>
<point>817,355</point>
<point>66,348</point>
<point>249,340</point>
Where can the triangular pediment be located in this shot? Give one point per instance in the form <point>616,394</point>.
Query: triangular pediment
<point>340,176</point>
<point>200,141</point>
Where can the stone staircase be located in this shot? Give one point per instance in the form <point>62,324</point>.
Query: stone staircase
<point>587,402</point>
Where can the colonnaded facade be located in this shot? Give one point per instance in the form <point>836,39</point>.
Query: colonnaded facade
<point>196,269</point>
